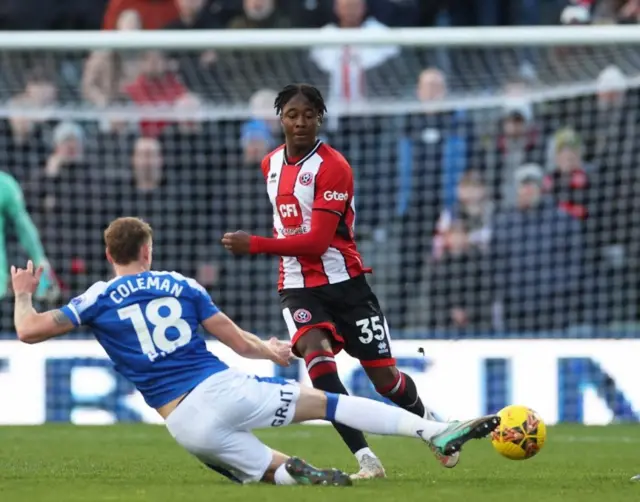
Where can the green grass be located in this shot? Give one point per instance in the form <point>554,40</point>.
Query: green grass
<point>133,463</point>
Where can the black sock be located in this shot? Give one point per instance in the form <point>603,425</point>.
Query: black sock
<point>324,375</point>
<point>404,393</point>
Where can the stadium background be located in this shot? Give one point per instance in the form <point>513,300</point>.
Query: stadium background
<point>537,305</point>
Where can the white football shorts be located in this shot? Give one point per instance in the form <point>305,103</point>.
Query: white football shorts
<point>214,422</point>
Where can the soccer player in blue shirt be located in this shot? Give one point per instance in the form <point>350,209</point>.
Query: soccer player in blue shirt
<point>147,322</point>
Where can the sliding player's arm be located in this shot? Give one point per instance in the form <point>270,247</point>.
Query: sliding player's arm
<point>224,329</point>
<point>244,343</point>
<point>31,326</point>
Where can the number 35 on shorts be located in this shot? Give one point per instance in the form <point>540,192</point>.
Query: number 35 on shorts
<point>372,328</point>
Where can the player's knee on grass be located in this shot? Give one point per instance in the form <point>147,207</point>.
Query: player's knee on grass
<point>311,405</point>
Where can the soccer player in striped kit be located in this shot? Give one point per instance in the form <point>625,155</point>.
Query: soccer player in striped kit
<point>327,303</point>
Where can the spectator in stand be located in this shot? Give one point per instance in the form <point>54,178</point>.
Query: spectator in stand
<point>259,14</point>
<point>259,133</point>
<point>486,12</point>
<point>40,91</point>
<point>23,15</point>
<point>65,197</point>
<point>166,206</point>
<point>603,11</point>
<point>24,137</point>
<point>347,66</point>
<point>196,68</point>
<point>610,132</point>
<point>244,204</point>
<point>194,15</point>
<point>568,183</point>
<point>192,159</point>
<point>536,258</point>
<point>517,142</point>
<point>154,14</point>
<point>307,13</point>
<point>473,211</point>
<point>432,156</point>
<point>577,12</point>
<point>22,145</point>
<point>459,285</point>
<point>65,163</point>
<point>107,73</point>
<point>395,13</point>
<point>188,146</point>
<point>516,87</point>
<point>612,122</point>
<point>429,12</point>
<point>157,85</point>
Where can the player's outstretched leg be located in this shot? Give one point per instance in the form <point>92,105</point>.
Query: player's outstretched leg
<point>378,418</point>
<point>400,389</point>
<point>315,347</point>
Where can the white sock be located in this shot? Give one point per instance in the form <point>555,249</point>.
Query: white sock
<point>282,477</point>
<point>362,452</point>
<point>430,415</point>
<point>375,417</point>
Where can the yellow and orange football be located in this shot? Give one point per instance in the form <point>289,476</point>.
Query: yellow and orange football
<point>521,433</point>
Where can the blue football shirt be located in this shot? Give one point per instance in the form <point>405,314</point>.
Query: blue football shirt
<point>147,324</point>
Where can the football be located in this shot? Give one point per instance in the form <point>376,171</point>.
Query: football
<point>521,433</point>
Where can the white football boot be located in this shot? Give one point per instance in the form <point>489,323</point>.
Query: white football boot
<point>370,468</point>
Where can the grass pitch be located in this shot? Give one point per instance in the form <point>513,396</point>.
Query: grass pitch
<point>135,463</point>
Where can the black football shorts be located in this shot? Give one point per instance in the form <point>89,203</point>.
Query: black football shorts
<point>349,310</point>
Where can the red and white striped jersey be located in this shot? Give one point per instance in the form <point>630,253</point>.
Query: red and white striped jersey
<point>320,181</point>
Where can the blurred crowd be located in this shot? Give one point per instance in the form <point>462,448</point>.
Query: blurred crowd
<point>519,217</point>
<point>187,14</point>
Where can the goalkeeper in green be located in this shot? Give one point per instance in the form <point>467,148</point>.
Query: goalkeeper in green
<point>13,209</point>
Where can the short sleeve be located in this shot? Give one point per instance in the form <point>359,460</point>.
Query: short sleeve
<point>334,188</point>
<point>81,309</point>
<point>205,307</point>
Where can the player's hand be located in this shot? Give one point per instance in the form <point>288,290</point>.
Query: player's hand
<point>282,351</point>
<point>25,281</point>
<point>237,242</point>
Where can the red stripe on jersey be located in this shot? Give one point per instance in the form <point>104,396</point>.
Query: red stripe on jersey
<point>288,178</point>
<point>286,186</point>
<point>315,275</point>
<point>313,272</point>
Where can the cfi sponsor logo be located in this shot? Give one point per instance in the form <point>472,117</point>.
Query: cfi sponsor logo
<point>302,316</point>
<point>306,179</point>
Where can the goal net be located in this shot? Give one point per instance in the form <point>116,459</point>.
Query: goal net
<point>496,185</point>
